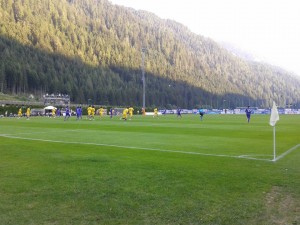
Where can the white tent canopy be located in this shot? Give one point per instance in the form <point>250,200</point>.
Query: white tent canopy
<point>49,107</point>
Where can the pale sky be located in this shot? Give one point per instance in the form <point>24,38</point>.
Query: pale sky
<point>270,29</point>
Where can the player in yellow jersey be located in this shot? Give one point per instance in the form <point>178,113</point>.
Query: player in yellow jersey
<point>89,112</point>
<point>155,113</point>
<point>101,111</point>
<point>20,113</point>
<point>124,115</point>
<point>53,112</point>
<point>130,111</point>
<point>28,113</point>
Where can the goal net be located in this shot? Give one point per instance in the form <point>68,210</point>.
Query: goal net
<point>118,111</point>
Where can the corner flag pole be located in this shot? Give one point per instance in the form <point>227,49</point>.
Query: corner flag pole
<point>274,143</point>
<point>273,119</point>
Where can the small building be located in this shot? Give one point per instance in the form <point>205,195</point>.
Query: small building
<point>57,100</point>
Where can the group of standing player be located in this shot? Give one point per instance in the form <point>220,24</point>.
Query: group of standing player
<point>91,111</point>
<point>20,112</point>
<point>127,111</point>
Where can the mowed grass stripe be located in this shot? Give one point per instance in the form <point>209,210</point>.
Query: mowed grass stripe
<point>252,157</point>
<point>232,137</point>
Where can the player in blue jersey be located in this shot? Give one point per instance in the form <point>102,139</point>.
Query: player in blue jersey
<point>178,112</point>
<point>248,112</point>
<point>58,112</point>
<point>67,115</point>
<point>78,112</point>
<point>111,112</point>
<point>201,112</point>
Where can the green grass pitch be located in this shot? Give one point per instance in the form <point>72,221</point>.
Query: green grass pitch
<point>150,171</point>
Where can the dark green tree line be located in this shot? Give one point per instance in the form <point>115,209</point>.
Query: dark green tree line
<point>91,49</point>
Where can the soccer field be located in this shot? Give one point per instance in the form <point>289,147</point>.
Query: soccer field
<point>150,171</point>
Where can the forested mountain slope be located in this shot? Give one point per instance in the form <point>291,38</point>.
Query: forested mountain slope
<point>91,49</point>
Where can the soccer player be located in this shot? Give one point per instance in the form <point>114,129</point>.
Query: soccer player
<point>178,112</point>
<point>20,113</point>
<point>130,110</point>
<point>111,112</point>
<point>201,112</point>
<point>124,115</point>
<point>67,115</point>
<point>78,112</point>
<point>28,113</point>
<point>89,112</point>
<point>155,113</point>
<point>53,112</point>
<point>58,112</point>
<point>101,111</point>
<point>248,113</point>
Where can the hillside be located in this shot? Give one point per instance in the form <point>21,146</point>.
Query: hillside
<point>91,49</point>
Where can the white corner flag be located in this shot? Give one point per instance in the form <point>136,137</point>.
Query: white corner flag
<point>274,115</point>
<point>273,119</point>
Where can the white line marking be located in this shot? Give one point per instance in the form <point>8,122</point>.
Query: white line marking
<point>154,149</point>
<point>286,153</point>
<point>44,132</point>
